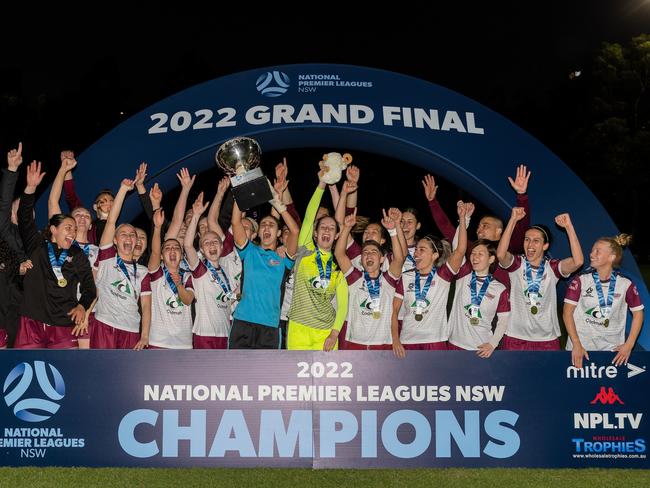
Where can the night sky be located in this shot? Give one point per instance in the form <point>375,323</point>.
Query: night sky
<point>87,73</point>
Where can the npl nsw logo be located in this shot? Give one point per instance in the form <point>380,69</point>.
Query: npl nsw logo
<point>34,401</point>
<point>273,83</point>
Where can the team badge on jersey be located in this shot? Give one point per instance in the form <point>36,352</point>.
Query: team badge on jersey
<point>124,286</point>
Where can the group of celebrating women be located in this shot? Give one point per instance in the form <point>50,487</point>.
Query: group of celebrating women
<point>291,283</point>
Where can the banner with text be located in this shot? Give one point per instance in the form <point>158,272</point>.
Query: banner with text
<point>314,409</point>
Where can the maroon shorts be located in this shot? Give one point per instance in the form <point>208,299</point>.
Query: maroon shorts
<point>453,347</point>
<point>513,344</point>
<point>353,346</point>
<point>4,338</point>
<point>428,346</point>
<point>207,342</point>
<point>33,334</point>
<point>103,336</point>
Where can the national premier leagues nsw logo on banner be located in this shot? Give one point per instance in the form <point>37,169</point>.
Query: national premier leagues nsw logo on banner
<point>33,391</point>
<point>273,83</point>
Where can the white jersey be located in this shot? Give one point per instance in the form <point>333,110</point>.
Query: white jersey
<point>369,321</point>
<point>233,267</point>
<point>464,333</point>
<point>117,294</point>
<point>171,319</point>
<point>212,303</point>
<point>434,326</point>
<point>595,334</point>
<point>524,324</point>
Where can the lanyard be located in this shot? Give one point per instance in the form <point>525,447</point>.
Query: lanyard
<point>327,273</point>
<point>605,306</point>
<point>223,283</point>
<point>421,294</point>
<point>170,282</point>
<point>57,264</point>
<point>122,265</point>
<point>533,284</point>
<point>477,298</point>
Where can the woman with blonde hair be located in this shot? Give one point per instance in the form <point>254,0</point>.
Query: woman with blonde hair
<point>596,304</point>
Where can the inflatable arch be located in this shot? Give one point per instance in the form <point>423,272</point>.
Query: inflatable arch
<point>349,107</point>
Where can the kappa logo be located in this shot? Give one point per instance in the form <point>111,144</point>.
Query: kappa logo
<point>273,83</point>
<point>607,397</point>
<point>28,404</point>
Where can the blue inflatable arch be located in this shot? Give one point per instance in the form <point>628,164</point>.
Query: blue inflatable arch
<point>348,108</point>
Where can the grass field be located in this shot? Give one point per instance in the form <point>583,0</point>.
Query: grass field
<point>268,478</point>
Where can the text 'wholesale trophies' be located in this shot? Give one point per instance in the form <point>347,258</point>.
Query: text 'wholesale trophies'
<point>240,158</point>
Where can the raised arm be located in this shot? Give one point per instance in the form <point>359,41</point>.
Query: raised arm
<point>145,201</point>
<point>156,245</point>
<point>7,187</point>
<point>307,228</point>
<point>456,259</point>
<point>238,231</point>
<point>342,208</point>
<point>292,225</point>
<point>503,255</point>
<point>573,263</point>
<point>188,242</point>
<point>26,224</point>
<point>439,216</point>
<point>179,210</point>
<point>111,221</point>
<point>392,221</point>
<point>352,174</point>
<point>215,208</point>
<point>71,198</point>
<point>67,164</point>
<point>341,243</point>
<point>520,186</point>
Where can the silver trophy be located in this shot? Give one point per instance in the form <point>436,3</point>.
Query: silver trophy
<point>240,159</point>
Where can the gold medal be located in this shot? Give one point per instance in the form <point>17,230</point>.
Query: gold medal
<point>533,310</point>
<point>606,324</point>
<point>418,316</point>
<point>376,315</point>
<point>62,282</point>
<point>474,321</point>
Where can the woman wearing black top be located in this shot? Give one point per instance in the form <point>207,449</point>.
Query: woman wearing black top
<point>50,315</point>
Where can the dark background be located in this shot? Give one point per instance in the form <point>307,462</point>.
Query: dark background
<point>67,76</point>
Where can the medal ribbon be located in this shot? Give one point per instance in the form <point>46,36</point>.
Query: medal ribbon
<point>122,265</point>
<point>534,284</point>
<point>477,298</point>
<point>56,264</point>
<point>223,283</point>
<point>607,305</point>
<point>170,282</point>
<point>421,294</point>
<point>328,267</point>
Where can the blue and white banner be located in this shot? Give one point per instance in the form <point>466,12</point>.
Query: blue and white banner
<point>336,410</point>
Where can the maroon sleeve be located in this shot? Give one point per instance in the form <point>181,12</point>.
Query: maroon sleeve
<point>71,197</point>
<point>517,240</point>
<point>442,221</point>
<point>399,289</point>
<point>353,275</point>
<point>228,244</point>
<point>504,302</point>
<point>107,253</point>
<point>353,250</point>
<point>555,266</point>
<point>632,298</point>
<point>156,275</point>
<point>516,264</point>
<point>446,273</point>
<point>464,270</point>
<point>501,275</point>
<point>200,270</point>
<point>390,279</point>
<point>349,210</point>
<point>145,286</point>
<point>291,208</point>
<point>573,291</point>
